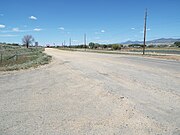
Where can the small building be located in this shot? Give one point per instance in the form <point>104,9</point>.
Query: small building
<point>36,44</point>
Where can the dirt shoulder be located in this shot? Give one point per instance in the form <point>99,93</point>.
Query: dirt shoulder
<point>168,57</point>
<point>150,55</point>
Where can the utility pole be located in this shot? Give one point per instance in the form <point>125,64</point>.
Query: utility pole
<point>85,41</point>
<point>70,43</point>
<point>145,21</point>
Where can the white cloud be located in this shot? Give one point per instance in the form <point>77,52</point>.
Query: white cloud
<point>33,18</point>
<point>2,26</point>
<point>75,40</point>
<point>103,41</point>
<point>132,28</point>
<point>102,31</point>
<point>148,29</point>
<point>15,29</point>
<point>37,29</point>
<point>61,28</point>
<point>8,35</point>
<point>18,30</point>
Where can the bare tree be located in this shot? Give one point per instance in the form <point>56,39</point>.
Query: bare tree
<point>28,40</point>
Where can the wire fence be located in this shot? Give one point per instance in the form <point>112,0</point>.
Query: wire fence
<point>16,55</point>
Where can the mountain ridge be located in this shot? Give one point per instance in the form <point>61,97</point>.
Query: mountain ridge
<point>155,41</point>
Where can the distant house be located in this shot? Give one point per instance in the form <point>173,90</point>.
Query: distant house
<point>36,44</point>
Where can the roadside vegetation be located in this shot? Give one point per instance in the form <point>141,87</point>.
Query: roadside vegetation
<point>15,57</point>
<point>136,48</point>
<point>163,51</point>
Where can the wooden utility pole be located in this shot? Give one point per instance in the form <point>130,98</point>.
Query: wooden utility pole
<point>145,21</point>
<point>85,41</point>
<point>70,43</point>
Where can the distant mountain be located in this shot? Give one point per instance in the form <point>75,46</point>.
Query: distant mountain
<point>156,41</point>
<point>163,40</point>
<point>132,42</point>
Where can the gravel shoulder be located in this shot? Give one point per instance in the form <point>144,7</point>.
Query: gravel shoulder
<point>87,93</point>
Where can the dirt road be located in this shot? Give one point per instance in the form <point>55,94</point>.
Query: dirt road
<point>94,94</point>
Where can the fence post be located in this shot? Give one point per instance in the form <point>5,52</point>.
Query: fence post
<point>1,57</point>
<point>16,56</point>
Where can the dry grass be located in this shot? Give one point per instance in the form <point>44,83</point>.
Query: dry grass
<point>24,59</point>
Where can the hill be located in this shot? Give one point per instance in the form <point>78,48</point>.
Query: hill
<point>155,42</point>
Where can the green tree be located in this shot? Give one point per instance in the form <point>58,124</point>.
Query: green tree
<point>177,44</point>
<point>116,47</point>
<point>135,45</point>
<point>91,45</point>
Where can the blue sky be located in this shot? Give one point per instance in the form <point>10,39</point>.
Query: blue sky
<point>104,21</point>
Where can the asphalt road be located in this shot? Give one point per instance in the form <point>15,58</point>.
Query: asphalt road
<point>88,93</point>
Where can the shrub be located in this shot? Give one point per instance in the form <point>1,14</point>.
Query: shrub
<point>116,47</point>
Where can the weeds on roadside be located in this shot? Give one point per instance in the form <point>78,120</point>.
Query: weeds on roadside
<point>23,59</point>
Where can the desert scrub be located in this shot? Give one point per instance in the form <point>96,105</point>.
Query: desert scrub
<point>22,58</point>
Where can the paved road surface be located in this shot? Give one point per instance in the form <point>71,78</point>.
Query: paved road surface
<point>88,93</point>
